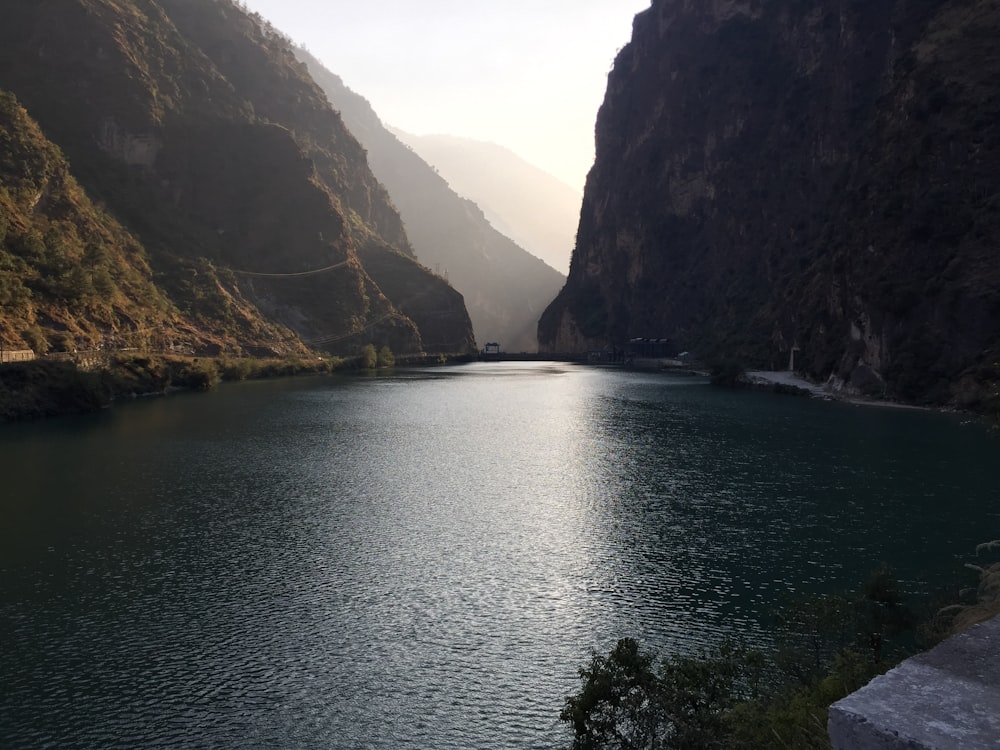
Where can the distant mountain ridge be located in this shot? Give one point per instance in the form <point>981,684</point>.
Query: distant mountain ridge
<point>193,123</point>
<point>532,207</point>
<point>505,287</point>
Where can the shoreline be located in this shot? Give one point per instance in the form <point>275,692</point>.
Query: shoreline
<point>790,383</point>
<point>45,387</point>
<point>783,379</point>
<point>61,388</point>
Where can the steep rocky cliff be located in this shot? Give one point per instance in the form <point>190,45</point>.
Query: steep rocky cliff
<point>815,175</point>
<point>197,128</point>
<point>505,287</point>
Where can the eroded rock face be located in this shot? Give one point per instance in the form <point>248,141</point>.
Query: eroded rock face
<point>772,174</point>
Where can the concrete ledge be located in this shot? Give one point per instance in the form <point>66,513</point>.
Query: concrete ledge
<point>945,699</point>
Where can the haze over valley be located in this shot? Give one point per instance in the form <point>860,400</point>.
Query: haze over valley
<point>527,204</point>
<point>505,287</point>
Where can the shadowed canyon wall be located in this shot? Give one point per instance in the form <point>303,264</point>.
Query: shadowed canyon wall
<point>809,175</point>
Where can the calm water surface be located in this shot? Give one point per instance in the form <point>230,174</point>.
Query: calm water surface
<point>423,560</point>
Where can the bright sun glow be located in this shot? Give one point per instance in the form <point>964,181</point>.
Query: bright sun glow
<point>525,74</point>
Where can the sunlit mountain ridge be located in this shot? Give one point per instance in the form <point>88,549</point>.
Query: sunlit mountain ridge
<point>505,287</point>
<point>531,206</point>
<point>235,184</point>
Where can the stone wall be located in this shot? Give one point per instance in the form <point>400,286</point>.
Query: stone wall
<point>945,699</point>
<point>16,355</point>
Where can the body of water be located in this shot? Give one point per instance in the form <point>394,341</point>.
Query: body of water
<point>424,559</point>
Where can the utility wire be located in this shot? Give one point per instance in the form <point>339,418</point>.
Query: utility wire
<point>286,275</point>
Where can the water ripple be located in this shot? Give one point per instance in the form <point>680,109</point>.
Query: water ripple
<point>425,560</point>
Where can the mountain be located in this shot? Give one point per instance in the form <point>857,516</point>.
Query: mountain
<point>816,176</point>
<point>195,128</point>
<point>68,271</point>
<point>505,287</point>
<point>536,210</point>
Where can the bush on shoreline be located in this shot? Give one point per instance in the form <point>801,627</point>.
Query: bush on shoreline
<point>48,387</point>
<point>44,388</point>
<point>727,372</point>
<point>825,648</point>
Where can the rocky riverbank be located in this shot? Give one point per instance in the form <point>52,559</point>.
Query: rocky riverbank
<point>784,381</point>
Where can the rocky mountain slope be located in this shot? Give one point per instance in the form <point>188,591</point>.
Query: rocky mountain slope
<point>70,275</point>
<point>505,287</point>
<point>193,124</point>
<point>815,175</point>
<point>536,210</point>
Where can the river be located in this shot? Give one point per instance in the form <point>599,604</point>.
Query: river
<point>423,559</point>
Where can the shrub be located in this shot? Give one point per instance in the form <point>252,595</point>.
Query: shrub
<point>44,388</point>
<point>35,339</point>
<point>368,358</point>
<point>386,358</point>
<point>198,374</point>
<point>726,372</point>
<point>236,368</point>
<point>628,703</point>
<point>827,647</point>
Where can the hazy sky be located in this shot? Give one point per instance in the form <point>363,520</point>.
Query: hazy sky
<point>527,74</point>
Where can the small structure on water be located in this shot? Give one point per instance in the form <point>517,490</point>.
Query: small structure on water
<point>648,348</point>
<point>490,352</point>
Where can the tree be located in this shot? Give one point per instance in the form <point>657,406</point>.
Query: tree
<point>882,612</point>
<point>104,285</point>
<point>626,704</point>
<point>386,357</point>
<point>368,359</point>
<point>826,647</point>
<point>35,339</point>
<point>617,706</point>
<point>811,631</point>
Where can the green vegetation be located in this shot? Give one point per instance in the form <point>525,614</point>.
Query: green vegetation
<point>70,276</point>
<point>975,604</point>
<point>627,702</point>
<point>245,368</point>
<point>735,697</point>
<point>386,357</point>
<point>371,358</point>
<point>46,387</point>
<point>368,359</point>
<point>158,374</point>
